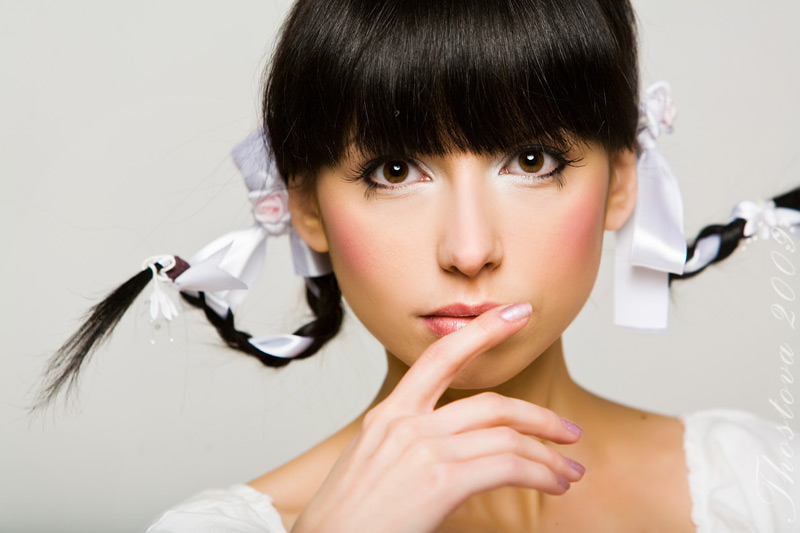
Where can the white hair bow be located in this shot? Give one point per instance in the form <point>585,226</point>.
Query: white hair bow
<point>226,267</point>
<point>651,244</point>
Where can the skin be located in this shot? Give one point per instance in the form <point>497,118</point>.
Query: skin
<point>471,229</point>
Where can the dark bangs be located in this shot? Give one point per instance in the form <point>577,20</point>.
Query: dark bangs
<point>411,77</point>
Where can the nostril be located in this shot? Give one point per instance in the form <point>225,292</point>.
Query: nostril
<point>473,264</point>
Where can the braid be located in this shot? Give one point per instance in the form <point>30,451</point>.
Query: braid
<point>728,236</point>
<point>63,368</point>
<point>238,340</point>
<point>789,200</point>
<point>326,304</point>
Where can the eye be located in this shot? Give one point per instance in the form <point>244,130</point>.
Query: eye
<point>394,174</point>
<point>535,162</point>
<point>395,171</point>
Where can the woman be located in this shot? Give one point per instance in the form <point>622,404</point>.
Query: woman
<point>471,157</point>
<point>452,159</point>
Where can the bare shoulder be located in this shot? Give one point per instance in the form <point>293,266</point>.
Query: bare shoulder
<point>636,474</point>
<point>648,463</point>
<point>292,485</point>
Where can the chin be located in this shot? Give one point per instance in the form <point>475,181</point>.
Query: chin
<point>495,367</point>
<point>481,377</point>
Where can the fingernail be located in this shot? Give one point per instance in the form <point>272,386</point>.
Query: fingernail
<point>563,482</point>
<point>512,313</point>
<point>572,426</point>
<point>579,468</point>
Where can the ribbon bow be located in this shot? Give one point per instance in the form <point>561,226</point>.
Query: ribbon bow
<point>761,216</point>
<point>241,253</point>
<point>205,275</point>
<point>651,243</point>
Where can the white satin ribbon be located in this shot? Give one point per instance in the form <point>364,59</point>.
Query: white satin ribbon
<point>239,255</point>
<point>284,346</point>
<point>705,251</point>
<point>761,216</point>
<point>651,243</point>
<point>204,275</point>
<point>307,262</point>
<point>270,202</point>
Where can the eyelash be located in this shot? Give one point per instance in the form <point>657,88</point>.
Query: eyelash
<point>364,171</point>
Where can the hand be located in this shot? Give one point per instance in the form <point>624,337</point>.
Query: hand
<point>411,465</point>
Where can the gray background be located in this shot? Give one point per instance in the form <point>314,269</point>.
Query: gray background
<point>116,119</point>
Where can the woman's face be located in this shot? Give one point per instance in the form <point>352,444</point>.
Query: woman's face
<point>415,243</point>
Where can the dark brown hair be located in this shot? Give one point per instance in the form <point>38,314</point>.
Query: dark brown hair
<point>429,77</point>
<point>407,77</point>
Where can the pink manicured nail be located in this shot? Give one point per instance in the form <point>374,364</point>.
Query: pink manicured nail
<point>579,468</point>
<point>563,482</point>
<point>572,426</point>
<point>514,312</point>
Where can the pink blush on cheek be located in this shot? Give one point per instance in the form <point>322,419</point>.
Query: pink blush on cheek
<point>352,246</point>
<point>582,230</point>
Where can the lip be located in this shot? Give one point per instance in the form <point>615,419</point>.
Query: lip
<point>450,318</point>
<point>462,310</point>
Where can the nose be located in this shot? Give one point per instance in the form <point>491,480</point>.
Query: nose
<point>469,243</point>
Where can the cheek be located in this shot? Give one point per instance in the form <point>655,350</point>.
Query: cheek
<point>583,229</point>
<point>369,254</point>
<point>563,236</point>
<point>578,250</point>
<point>559,251</point>
<point>352,244</point>
<point>376,266</point>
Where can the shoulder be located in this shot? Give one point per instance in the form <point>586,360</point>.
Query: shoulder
<point>292,485</point>
<point>741,471</point>
<point>268,504</point>
<point>237,509</point>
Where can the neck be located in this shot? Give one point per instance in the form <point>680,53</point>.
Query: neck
<point>613,438</point>
<point>545,382</point>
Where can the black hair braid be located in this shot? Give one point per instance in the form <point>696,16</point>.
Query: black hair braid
<point>63,368</point>
<point>327,308</point>
<point>789,200</point>
<point>238,340</point>
<point>732,233</point>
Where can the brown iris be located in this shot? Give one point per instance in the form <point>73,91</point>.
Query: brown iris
<point>531,161</point>
<point>395,171</point>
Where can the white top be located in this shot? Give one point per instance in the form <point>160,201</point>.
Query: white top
<point>740,479</point>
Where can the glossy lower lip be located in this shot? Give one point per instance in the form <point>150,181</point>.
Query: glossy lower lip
<point>450,318</point>
<point>445,325</point>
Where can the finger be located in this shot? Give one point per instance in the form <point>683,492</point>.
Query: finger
<point>490,409</point>
<point>499,440</point>
<point>475,476</point>
<point>429,377</point>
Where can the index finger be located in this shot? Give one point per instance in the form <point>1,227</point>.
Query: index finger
<point>429,377</point>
